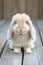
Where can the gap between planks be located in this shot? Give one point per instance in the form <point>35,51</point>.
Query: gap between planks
<point>3,48</point>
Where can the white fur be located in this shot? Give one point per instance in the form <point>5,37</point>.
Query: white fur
<point>9,39</point>
<point>28,28</point>
<point>16,26</point>
<point>28,50</point>
<point>17,50</point>
<point>14,29</point>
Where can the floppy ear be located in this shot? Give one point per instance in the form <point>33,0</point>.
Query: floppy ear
<point>11,27</point>
<point>32,31</point>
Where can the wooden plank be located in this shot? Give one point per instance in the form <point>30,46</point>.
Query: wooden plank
<point>40,49</point>
<point>13,7</point>
<point>38,41</point>
<point>40,23</point>
<point>40,55</point>
<point>20,6</point>
<point>7,8</point>
<point>40,26</point>
<point>31,59</point>
<point>2,22</point>
<point>10,58</point>
<point>40,9</point>
<point>3,33</point>
<point>32,8</point>
<point>1,9</point>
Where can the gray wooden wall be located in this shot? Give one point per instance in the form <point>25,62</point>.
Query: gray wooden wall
<point>32,7</point>
<point>0,9</point>
<point>14,6</point>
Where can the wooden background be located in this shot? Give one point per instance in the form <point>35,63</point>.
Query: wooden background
<point>32,7</point>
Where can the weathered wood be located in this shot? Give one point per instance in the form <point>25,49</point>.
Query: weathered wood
<point>40,55</point>
<point>39,48</point>
<point>2,22</point>
<point>40,26</point>
<point>32,8</point>
<point>13,7</point>
<point>40,23</point>
<point>38,41</point>
<point>3,34</point>
<point>20,6</point>
<point>40,9</point>
<point>31,59</point>
<point>36,58</point>
<point>10,58</point>
<point>1,6</point>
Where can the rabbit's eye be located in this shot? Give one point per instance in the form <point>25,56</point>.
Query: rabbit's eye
<point>27,22</point>
<point>15,22</point>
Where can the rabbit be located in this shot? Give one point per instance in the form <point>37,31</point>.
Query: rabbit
<point>21,33</point>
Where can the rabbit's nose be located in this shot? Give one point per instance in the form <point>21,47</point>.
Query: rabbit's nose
<point>20,31</point>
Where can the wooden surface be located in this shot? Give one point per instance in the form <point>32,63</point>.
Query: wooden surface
<point>32,7</point>
<point>20,6</point>
<point>3,31</point>
<point>13,7</point>
<point>40,9</point>
<point>8,57</point>
<point>1,9</point>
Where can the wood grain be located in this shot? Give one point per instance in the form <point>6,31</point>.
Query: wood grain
<point>32,8</point>
<point>40,9</point>
<point>39,47</point>
<point>3,34</point>
<point>20,6</point>
<point>13,7</point>
<point>0,9</point>
<point>36,58</point>
<point>40,26</point>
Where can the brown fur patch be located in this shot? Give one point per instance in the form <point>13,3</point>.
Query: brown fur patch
<point>19,39</point>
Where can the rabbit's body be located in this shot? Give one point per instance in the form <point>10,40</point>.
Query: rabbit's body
<point>21,40</point>
<point>21,33</point>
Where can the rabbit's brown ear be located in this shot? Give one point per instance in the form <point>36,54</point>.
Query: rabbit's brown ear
<point>11,28</point>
